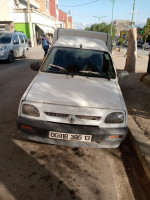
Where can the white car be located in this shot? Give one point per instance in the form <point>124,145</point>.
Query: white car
<point>147,46</point>
<point>13,45</point>
<point>75,99</point>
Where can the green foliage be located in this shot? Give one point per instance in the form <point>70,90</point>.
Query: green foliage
<point>121,41</point>
<point>103,27</point>
<point>146,29</point>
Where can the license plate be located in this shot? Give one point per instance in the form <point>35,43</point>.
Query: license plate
<point>69,136</point>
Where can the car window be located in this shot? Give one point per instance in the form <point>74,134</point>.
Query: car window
<point>15,39</point>
<point>83,62</point>
<point>5,38</point>
<point>21,38</point>
<point>25,38</point>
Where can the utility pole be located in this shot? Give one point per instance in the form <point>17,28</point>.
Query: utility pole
<point>113,1</point>
<point>29,11</point>
<point>30,23</point>
<point>133,14</point>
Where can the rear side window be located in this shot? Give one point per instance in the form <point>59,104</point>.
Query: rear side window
<point>21,38</point>
<point>25,38</point>
<point>15,39</point>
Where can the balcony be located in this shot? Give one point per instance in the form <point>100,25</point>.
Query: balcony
<point>33,3</point>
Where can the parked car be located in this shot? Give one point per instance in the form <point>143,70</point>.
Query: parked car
<point>125,43</point>
<point>147,46</point>
<point>139,43</point>
<point>13,45</point>
<point>75,99</point>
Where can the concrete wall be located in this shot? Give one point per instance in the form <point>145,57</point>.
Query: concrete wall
<point>25,27</point>
<point>36,17</point>
<point>5,10</point>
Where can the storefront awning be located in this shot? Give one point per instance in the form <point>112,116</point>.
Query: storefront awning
<point>46,29</point>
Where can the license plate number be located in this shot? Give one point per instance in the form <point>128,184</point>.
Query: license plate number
<point>69,136</point>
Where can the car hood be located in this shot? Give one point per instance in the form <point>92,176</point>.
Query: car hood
<point>74,91</point>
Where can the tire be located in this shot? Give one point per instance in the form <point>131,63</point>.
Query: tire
<point>26,53</point>
<point>11,57</point>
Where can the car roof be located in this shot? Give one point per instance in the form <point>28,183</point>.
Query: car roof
<point>81,42</point>
<point>10,32</point>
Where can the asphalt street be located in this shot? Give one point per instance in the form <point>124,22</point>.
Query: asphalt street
<point>30,170</point>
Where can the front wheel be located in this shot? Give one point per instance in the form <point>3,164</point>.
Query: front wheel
<point>11,57</point>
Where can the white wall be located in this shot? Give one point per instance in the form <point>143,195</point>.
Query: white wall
<point>5,10</point>
<point>36,17</point>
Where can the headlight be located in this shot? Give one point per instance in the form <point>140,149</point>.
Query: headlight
<point>3,47</point>
<point>115,117</point>
<point>30,110</point>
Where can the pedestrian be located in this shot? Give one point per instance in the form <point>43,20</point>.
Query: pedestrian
<point>148,68</point>
<point>45,43</point>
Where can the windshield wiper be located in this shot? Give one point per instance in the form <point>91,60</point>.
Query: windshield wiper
<point>59,67</point>
<point>95,73</point>
<point>89,72</point>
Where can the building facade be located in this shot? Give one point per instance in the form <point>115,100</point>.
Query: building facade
<point>65,21</point>
<point>33,17</point>
<point>121,25</point>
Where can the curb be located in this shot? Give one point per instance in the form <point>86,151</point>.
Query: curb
<point>140,144</point>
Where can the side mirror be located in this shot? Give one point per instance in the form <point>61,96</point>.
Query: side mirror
<point>123,75</point>
<point>35,66</point>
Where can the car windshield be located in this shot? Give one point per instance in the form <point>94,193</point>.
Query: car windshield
<point>82,62</point>
<point>5,38</point>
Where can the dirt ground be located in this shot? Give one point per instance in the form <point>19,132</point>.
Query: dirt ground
<point>135,92</point>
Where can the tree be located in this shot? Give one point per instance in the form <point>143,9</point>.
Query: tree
<point>132,51</point>
<point>146,30</point>
<point>103,27</point>
<point>121,41</point>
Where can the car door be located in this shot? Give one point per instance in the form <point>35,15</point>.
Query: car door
<point>22,45</point>
<point>16,45</point>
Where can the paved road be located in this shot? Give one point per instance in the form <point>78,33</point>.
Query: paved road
<point>30,170</point>
<point>140,51</point>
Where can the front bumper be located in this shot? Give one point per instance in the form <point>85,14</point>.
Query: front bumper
<point>39,131</point>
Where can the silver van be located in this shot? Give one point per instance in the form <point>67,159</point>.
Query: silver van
<point>13,45</point>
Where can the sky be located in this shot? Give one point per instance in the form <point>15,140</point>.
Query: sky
<point>83,11</point>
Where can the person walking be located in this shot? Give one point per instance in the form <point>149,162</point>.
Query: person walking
<point>45,44</point>
<point>148,68</point>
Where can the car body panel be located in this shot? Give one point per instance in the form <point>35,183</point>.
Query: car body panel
<point>147,46</point>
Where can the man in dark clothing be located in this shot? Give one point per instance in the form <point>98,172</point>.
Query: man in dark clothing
<point>45,43</point>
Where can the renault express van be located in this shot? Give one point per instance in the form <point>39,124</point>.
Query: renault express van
<point>13,45</point>
<point>75,99</point>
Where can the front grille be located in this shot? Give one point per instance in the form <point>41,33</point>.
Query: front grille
<point>56,114</point>
<point>78,116</point>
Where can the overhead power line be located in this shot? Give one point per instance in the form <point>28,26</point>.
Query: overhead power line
<point>81,4</point>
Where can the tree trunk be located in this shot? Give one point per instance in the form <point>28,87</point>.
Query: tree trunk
<point>132,51</point>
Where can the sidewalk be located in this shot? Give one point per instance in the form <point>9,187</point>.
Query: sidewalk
<point>137,98</point>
